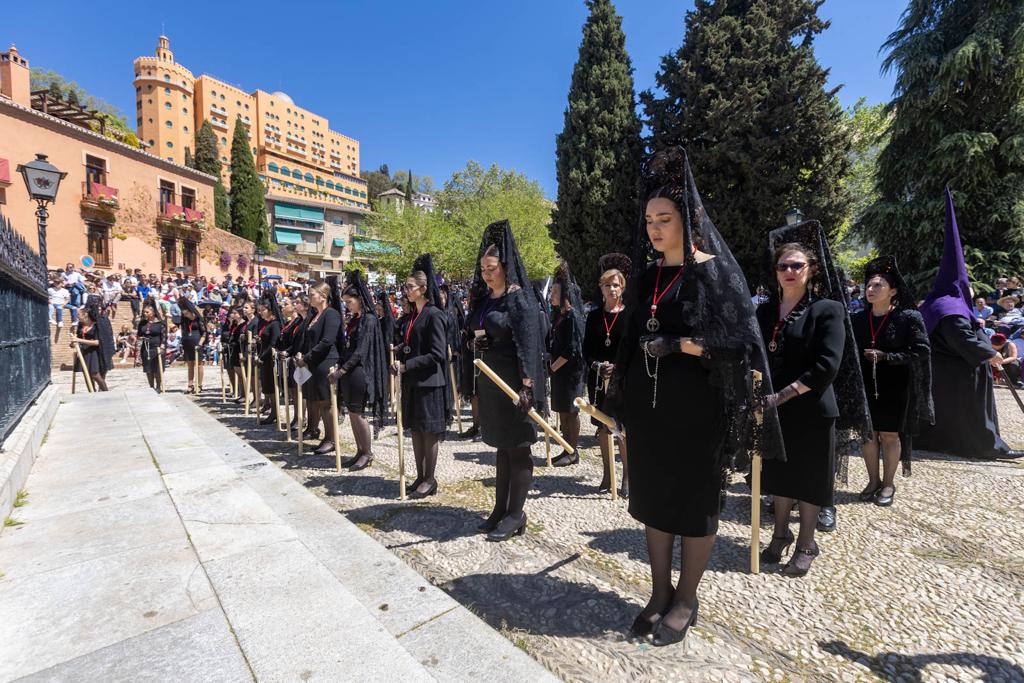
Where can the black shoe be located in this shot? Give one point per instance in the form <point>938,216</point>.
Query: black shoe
<point>870,492</point>
<point>770,556</point>
<point>564,459</point>
<point>508,527</point>
<point>429,492</point>
<point>415,484</point>
<point>366,463</point>
<point>603,488</point>
<point>269,419</point>
<point>663,634</point>
<point>800,563</point>
<point>1011,454</point>
<point>311,434</point>
<point>470,433</point>
<point>624,492</point>
<point>324,448</point>
<point>489,524</point>
<point>883,500</point>
<point>827,519</point>
<point>642,627</point>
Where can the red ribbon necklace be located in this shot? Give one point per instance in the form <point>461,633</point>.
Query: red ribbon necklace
<point>608,328</point>
<point>773,345</point>
<point>408,330</point>
<point>871,326</point>
<point>653,324</point>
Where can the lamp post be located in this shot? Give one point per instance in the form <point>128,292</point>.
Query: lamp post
<point>258,258</point>
<point>794,216</point>
<point>42,179</point>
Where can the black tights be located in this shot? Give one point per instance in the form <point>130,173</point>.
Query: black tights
<point>424,448</point>
<point>676,602</point>
<point>99,382</point>
<point>570,427</point>
<point>361,433</point>
<point>514,472</point>
<point>154,379</point>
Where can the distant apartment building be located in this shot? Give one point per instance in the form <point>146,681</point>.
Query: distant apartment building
<point>315,197</point>
<point>119,206</point>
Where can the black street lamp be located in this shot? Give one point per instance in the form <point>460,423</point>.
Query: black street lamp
<point>258,256</point>
<point>42,179</point>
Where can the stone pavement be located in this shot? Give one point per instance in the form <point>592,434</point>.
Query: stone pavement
<point>156,545</point>
<point>930,589</point>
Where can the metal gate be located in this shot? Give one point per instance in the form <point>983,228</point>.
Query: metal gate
<point>24,327</point>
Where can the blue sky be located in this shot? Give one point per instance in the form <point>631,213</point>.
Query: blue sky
<point>425,86</point>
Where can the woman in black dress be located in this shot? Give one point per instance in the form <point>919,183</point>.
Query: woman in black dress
<point>680,388</point>
<point>152,333</point>
<point>810,346</point>
<point>507,326</point>
<point>319,355</point>
<point>290,342</point>
<point>421,363</point>
<point>87,337</point>
<point>193,337</point>
<point>267,334</point>
<point>231,336</point>
<point>894,359</point>
<point>565,354</point>
<point>601,337</point>
<point>364,369</point>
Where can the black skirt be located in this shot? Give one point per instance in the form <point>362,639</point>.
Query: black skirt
<point>353,390</point>
<point>809,470</point>
<point>189,346</point>
<point>888,409</point>
<point>566,386</point>
<point>502,424</point>
<point>423,408</point>
<point>317,387</point>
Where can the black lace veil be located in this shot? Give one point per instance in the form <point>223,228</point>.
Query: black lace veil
<point>853,427</point>
<point>425,263</point>
<point>375,358</point>
<point>724,316</point>
<point>570,293</point>
<point>387,319</point>
<point>525,309</point>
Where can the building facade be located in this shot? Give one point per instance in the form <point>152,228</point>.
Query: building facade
<point>119,206</point>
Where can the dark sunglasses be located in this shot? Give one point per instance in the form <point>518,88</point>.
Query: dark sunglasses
<point>795,267</point>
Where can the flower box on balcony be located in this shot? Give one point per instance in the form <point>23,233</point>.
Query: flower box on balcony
<point>97,195</point>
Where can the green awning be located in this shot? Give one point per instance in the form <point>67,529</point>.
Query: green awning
<point>282,236</point>
<point>339,241</point>
<point>298,213</point>
<point>364,245</point>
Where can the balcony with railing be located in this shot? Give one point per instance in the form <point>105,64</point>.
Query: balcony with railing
<point>309,248</point>
<point>177,215</point>
<point>98,196</point>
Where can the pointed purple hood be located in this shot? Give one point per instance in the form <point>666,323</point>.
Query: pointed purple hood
<point>951,293</point>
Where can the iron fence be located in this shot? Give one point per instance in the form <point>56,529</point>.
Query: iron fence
<point>24,327</point>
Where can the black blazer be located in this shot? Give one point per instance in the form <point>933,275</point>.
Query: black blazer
<point>812,350</point>
<point>425,364</point>
<point>322,337</point>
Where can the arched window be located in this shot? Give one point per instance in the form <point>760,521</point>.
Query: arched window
<point>330,184</point>
<point>272,167</point>
<point>285,170</point>
<point>309,177</point>
<point>297,174</point>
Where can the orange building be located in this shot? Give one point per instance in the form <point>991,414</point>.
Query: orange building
<point>296,152</point>
<point>119,205</point>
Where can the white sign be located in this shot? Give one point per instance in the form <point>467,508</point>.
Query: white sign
<point>390,278</point>
<point>372,277</point>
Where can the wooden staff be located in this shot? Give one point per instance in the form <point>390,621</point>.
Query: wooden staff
<point>277,403</point>
<point>455,391</point>
<point>74,376</point>
<point>401,435</point>
<point>511,393</point>
<point>257,385</point>
<point>755,491</point>
<point>287,408</point>
<point>298,411</point>
<point>334,420</point>
<point>85,368</point>
<point>547,440</point>
<point>609,437</point>
<point>160,366</point>
<point>247,370</point>
<point>223,387</point>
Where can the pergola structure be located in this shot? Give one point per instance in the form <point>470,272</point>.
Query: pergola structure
<point>43,101</point>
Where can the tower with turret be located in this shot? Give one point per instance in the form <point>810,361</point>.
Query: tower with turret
<point>164,103</point>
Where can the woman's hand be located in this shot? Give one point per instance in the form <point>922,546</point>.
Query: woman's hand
<point>525,401</point>
<point>777,399</point>
<point>660,345</point>
<point>875,356</point>
<point>605,370</point>
<point>481,343</point>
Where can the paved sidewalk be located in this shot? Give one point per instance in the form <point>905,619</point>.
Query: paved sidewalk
<point>157,545</point>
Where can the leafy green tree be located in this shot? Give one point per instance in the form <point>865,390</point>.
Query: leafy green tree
<point>376,182</point>
<point>471,199</point>
<point>116,126</point>
<point>599,149</point>
<point>747,98</point>
<point>957,120</point>
<point>247,195</point>
<point>206,160</point>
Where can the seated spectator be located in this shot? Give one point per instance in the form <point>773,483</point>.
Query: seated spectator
<point>856,301</point>
<point>1007,361</point>
<point>59,300</point>
<point>982,311</point>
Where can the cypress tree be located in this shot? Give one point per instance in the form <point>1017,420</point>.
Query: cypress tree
<point>958,120</point>
<point>189,161</point>
<point>205,160</point>
<point>248,206</point>
<point>747,99</point>
<point>598,151</point>
<point>408,187</point>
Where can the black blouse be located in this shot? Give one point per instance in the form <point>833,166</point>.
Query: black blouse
<point>428,348</point>
<point>594,348</point>
<point>321,337</point>
<point>267,339</point>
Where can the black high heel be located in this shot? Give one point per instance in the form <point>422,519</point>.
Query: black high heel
<point>507,528</point>
<point>770,557</point>
<point>663,634</point>
<point>642,627</point>
<point>800,563</point>
<point>355,467</point>
<point>564,459</point>
<point>324,448</point>
<point>488,525</point>
<point>429,492</point>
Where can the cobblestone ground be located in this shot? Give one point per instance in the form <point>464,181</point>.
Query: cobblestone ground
<point>930,589</point>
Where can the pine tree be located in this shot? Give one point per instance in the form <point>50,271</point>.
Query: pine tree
<point>958,120</point>
<point>248,205</point>
<point>408,186</point>
<point>206,160</point>
<point>747,99</point>
<point>598,151</point>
